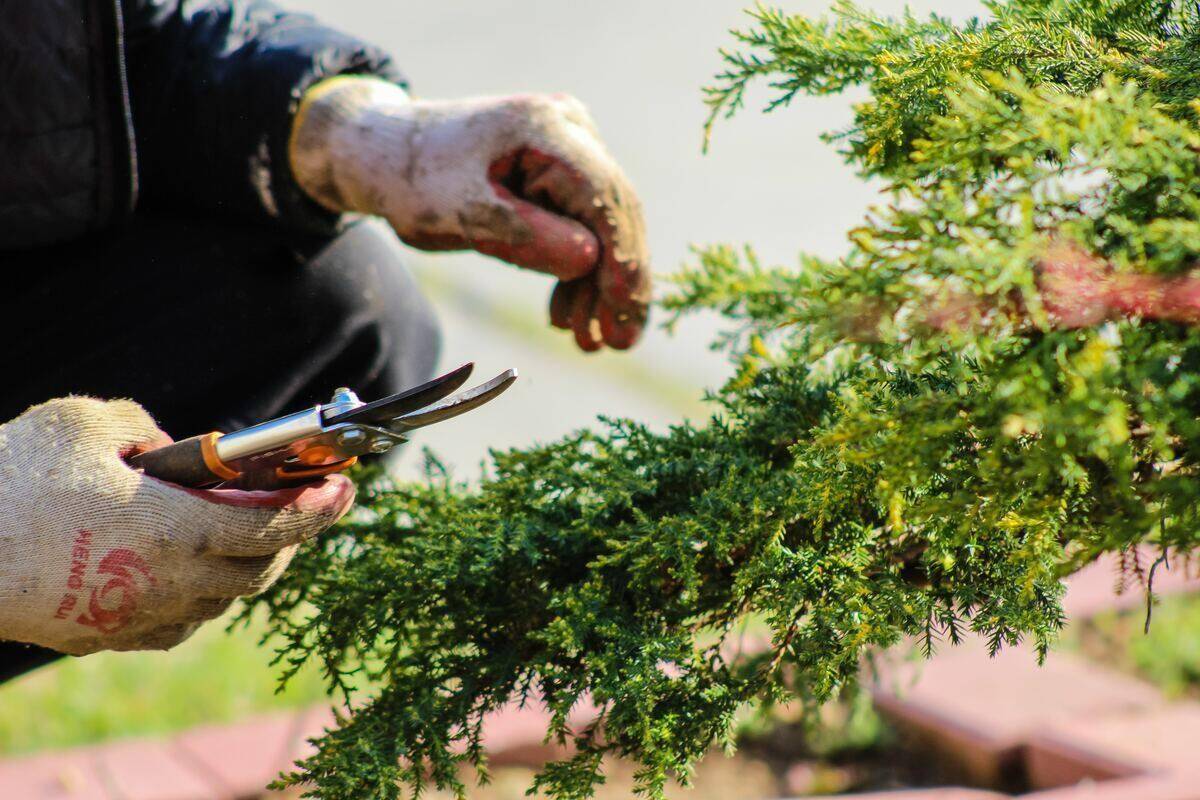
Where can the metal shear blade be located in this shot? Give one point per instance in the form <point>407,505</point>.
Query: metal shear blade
<point>453,406</point>
<point>382,412</point>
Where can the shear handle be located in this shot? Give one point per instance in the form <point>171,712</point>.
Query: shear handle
<point>192,462</point>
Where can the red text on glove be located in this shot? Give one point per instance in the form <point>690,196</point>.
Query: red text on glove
<point>81,552</point>
<point>111,606</point>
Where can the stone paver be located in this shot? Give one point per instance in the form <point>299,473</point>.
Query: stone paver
<point>1055,762</point>
<point>310,724</point>
<point>1170,787</point>
<point>515,736</point>
<point>925,794</point>
<point>1157,787</point>
<point>70,775</point>
<point>977,710</point>
<point>154,770</point>
<point>1071,724</point>
<point>243,757</point>
<point>1164,741</point>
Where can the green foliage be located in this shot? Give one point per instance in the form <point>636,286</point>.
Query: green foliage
<point>913,65</point>
<point>849,489</point>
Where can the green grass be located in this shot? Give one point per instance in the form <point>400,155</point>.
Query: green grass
<point>213,677</point>
<point>1168,656</point>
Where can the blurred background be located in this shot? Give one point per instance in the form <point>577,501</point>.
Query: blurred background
<point>767,180</point>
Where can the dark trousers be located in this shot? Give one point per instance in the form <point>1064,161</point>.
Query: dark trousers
<point>210,326</point>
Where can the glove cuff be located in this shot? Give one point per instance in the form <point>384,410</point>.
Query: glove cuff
<point>330,140</point>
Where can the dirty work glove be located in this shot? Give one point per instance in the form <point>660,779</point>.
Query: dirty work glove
<point>95,556</point>
<point>524,178</point>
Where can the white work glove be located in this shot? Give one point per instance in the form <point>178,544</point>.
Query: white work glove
<point>524,178</point>
<point>95,556</point>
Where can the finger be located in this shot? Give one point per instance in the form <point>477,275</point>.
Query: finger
<point>600,196</point>
<point>575,111</point>
<point>582,318</point>
<point>206,608</point>
<point>140,430</point>
<point>228,577</point>
<point>534,239</point>
<point>163,637</point>
<point>237,522</point>
<point>155,441</point>
<point>433,242</point>
<point>541,240</point>
<point>619,330</point>
<point>555,186</point>
<point>623,274</point>
<point>624,282</point>
<point>102,427</point>
<point>552,183</point>
<point>561,301</point>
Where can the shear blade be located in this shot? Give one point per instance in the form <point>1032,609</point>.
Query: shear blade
<point>457,404</point>
<point>382,412</point>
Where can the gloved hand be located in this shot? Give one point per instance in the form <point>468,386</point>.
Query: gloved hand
<point>95,556</point>
<point>523,178</point>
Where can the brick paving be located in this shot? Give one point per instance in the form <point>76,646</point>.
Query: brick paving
<point>211,763</point>
<point>244,758</point>
<point>978,712</point>
<point>1071,730</point>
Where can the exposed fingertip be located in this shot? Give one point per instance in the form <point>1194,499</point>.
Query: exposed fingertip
<point>624,284</point>
<point>618,330</point>
<point>333,496</point>
<point>561,248</point>
<point>541,240</point>
<point>588,339</point>
<point>583,318</point>
<point>608,321</point>
<point>560,305</point>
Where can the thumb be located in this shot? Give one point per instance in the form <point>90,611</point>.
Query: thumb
<point>237,522</point>
<point>536,238</point>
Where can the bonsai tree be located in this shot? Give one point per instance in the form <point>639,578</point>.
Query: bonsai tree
<point>998,382</point>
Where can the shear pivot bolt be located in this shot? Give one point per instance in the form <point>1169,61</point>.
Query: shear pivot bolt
<point>351,438</point>
<point>380,446</point>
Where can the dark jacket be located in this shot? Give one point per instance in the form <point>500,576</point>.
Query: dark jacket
<point>107,106</point>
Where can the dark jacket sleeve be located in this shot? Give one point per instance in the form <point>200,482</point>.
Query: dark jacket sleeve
<point>214,85</point>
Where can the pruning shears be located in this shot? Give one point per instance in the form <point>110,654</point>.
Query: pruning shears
<point>318,441</point>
